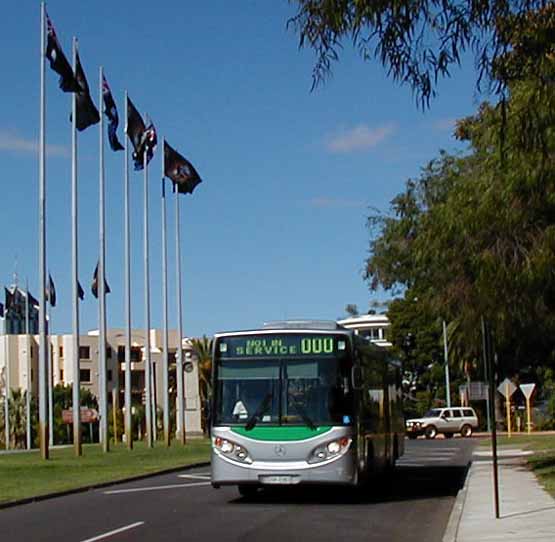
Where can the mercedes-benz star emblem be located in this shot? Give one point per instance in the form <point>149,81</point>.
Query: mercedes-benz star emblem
<point>279,450</point>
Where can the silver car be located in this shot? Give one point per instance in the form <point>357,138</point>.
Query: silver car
<point>447,421</point>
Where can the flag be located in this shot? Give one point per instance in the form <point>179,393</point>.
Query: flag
<point>32,301</point>
<point>94,285</point>
<point>142,137</point>
<point>80,291</point>
<point>111,112</point>
<point>87,113</point>
<point>50,293</point>
<point>180,171</point>
<point>58,61</point>
<point>10,302</point>
<point>1,310</point>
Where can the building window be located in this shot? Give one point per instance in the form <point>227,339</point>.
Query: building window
<point>108,353</point>
<point>61,351</point>
<point>85,352</point>
<point>136,354</point>
<point>85,375</point>
<point>62,375</point>
<point>121,354</point>
<point>109,375</point>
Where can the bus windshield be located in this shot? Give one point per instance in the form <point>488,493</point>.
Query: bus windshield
<point>280,391</point>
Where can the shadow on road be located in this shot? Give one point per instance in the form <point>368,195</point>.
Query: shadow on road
<point>406,483</point>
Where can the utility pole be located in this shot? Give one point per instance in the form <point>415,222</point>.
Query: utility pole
<point>446,357</point>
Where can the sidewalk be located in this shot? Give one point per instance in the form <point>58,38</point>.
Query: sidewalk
<point>527,511</point>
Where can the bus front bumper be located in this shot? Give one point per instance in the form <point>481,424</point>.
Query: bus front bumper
<point>340,470</point>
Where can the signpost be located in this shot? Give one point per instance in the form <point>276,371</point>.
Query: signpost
<point>507,388</point>
<point>88,415</point>
<point>528,390</point>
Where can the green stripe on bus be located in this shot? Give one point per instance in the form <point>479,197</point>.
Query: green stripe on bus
<point>281,432</point>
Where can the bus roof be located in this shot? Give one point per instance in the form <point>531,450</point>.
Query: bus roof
<point>292,326</point>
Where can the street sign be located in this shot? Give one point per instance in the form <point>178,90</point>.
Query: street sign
<point>506,388</point>
<point>527,390</point>
<point>88,415</point>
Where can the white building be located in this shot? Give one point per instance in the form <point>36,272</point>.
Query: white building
<point>373,326</point>
<point>19,366</point>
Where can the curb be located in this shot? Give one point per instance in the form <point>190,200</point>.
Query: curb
<point>452,529</point>
<point>82,489</point>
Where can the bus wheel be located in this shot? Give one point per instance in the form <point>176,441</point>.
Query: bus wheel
<point>431,432</point>
<point>247,491</point>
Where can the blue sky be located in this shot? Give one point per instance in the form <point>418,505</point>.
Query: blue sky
<point>278,227</point>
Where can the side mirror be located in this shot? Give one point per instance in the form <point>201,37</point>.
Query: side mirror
<point>356,377</point>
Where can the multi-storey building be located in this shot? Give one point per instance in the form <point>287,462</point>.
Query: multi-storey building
<point>373,326</point>
<point>19,366</point>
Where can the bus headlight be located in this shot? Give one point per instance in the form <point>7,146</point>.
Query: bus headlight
<point>231,449</point>
<point>329,450</point>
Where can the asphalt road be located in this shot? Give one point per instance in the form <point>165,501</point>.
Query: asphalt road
<point>413,505</point>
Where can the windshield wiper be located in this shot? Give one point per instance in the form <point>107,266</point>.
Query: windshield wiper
<point>258,412</point>
<point>304,416</point>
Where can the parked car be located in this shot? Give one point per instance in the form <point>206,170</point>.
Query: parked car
<point>447,421</point>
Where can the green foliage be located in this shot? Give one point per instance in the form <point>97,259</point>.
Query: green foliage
<point>474,235</point>
<point>419,42</point>
<point>203,351</point>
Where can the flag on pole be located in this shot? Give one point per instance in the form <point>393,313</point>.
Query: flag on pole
<point>1,310</point>
<point>180,171</point>
<point>58,61</point>
<point>50,293</point>
<point>9,300</point>
<point>87,113</point>
<point>111,112</point>
<point>142,137</point>
<point>80,291</point>
<point>94,285</point>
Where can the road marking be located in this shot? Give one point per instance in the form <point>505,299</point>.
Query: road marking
<point>154,488</point>
<point>115,531</point>
<point>195,476</point>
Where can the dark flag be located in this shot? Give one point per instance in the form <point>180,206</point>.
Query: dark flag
<point>94,285</point>
<point>80,291</point>
<point>32,301</point>
<point>111,112</point>
<point>1,310</point>
<point>180,171</point>
<point>10,304</point>
<point>50,293</point>
<point>58,61</point>
<point>142,137</point>
<point>87,113</point>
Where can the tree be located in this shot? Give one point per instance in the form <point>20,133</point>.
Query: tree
<point>203,351</point>
<point>475,234</point>
<point>418,42</point>
<point>351,309</point>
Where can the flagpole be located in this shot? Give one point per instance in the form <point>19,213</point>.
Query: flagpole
<point>148,390</point>
<point>101,284</point>
<point>43,406</point>
<point>7,392</point>
<point>127,399</point>
<point>165,383</point>
<point>179,351</point>
<point>75,270</point>
<point>50,361</point>
<point>28,365</point>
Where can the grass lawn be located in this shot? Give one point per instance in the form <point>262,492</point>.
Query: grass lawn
<point>27,475</point>
<point>542,462</point>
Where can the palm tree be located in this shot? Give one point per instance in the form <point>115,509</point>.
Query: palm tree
<point>203,351</point>
<point>18,418</point>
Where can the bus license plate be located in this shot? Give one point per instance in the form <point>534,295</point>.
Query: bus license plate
<point>283,479</point>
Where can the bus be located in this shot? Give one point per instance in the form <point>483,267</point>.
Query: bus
<point>302,402</point>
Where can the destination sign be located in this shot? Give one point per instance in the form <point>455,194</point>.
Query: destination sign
<point>281,345</point>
